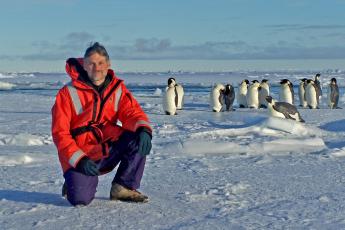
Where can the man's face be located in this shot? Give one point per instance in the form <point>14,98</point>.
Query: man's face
<point>96,67</point>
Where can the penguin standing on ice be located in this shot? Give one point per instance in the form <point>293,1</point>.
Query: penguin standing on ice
<point>318,84</point>
<point>253,95</point>
<point>333,94</point>
<point>286,93</point>
<point>229,97</point>
<point>170,98</point>
<point>217,97</point>
<point>179,94</point>
<point>264,91</point>
<point>312,95</point>
<point>283,110</point>
<point>301,93</point>
<point>242,94</point>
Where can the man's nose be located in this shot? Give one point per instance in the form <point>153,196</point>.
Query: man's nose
<point>97,67</point>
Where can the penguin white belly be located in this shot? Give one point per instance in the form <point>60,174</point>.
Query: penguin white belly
<point>263,93</point>
<point>253,97</point>
<point>301,94</point>
<point>216,100</point>
<point>274,113</point>
<point>329,99</point>
<point>330,103</point>
<point>285,95</point>
<point>311,97</point>
<point>169,104</point>
<point>180,95</point>
<point>242,96</point>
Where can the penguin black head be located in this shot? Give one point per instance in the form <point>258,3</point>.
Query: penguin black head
<point>264,81</point>
<point>246,80</point>
<point>317,76</point>
<point>255,81</point>
<point>309,81</point>
<point>334,81</point>
<point>171,80</point>
<point>269,99</point>
<point>227,89</point>
<point>303,79</point>
<point>284,81</point>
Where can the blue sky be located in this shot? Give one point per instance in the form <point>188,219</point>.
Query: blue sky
<point>38,35</point>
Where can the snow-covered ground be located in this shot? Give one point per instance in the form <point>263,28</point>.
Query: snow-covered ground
<point>228,170</point>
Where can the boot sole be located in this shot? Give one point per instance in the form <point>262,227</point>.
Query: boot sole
<point>130,200</point>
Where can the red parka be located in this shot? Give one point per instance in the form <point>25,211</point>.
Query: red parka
<point>85,122</point>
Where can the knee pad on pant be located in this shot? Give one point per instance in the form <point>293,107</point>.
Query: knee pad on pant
<point>81,189</point>
<point>80,196</point>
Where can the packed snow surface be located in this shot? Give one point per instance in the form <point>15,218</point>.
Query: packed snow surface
<point>229,170</point>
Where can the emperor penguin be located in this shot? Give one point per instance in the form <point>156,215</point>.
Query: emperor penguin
<point>318,84</point>
<point>333,94</point>
<point>179,94</point>
<point>301,93</point>
<point>312,95</point>
<point>217,97</point>
<point>229,97</point>
<point>283,110</point>
<point>286,93</point>
<point>169,98</point>
<point>253,95</point>
<point>242,94</point>
<point>264,91</point>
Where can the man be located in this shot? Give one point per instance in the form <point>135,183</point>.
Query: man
<point>97,124</point>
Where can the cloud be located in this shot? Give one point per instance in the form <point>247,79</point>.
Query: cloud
<point>285,27</point>
<point>152,45</point>
<point>74,45</point>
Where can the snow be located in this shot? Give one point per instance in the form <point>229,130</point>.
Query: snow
<point>228,170</point>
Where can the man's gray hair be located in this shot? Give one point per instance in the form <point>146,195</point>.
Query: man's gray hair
<point>96,48</point>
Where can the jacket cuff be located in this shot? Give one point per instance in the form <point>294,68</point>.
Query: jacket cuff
<point>144,129</point>
<point>75,158</point>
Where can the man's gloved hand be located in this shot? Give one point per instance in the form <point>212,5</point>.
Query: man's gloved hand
<point>144,140</point>
<point>87,167</point>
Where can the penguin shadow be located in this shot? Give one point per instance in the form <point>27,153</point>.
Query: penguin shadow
<point>335,144</point>
<point>334,126</point>
<point>251,122</point>
<point>196,106</point>
<point>337,127</point>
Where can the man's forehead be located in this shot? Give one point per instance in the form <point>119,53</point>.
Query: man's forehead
<point>95,57</point>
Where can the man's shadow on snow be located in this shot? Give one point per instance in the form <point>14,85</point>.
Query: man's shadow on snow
<point>33,197</point>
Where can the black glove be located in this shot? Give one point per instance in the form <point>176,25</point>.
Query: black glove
<point>144,140</point>
<point>87,167</point>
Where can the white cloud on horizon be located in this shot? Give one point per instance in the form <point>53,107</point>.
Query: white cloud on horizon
<point>163,49</point>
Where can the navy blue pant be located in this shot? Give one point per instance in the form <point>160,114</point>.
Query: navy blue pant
<point>81,189</point>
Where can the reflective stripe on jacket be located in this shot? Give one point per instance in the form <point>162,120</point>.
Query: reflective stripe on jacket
<point>85,122</point>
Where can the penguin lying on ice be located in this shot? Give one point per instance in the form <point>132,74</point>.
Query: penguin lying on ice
<point>283,110</point>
